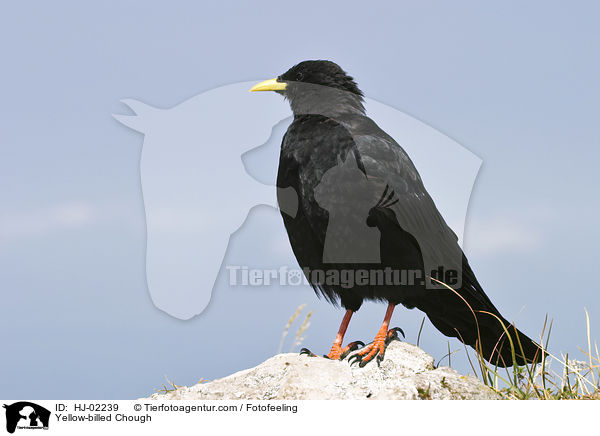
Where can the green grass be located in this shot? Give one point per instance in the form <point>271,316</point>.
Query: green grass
<point>576,379</point>
<point>554,378</point>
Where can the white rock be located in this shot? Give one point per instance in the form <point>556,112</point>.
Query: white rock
<point>407,372</point>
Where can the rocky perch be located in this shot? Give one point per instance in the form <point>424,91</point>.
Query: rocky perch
<point>406,373</point>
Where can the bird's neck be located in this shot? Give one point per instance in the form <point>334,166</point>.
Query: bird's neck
<point>326,101</point>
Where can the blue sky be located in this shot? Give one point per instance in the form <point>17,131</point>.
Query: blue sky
<point>517,84</point>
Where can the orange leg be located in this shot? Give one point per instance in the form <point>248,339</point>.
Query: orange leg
<point>377,347</point>
<point>337,352</point>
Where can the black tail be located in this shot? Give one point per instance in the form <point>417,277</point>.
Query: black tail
<point>469,315</point>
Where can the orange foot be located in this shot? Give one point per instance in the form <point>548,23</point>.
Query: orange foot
<point>377,347</point>
<point>337,352</point>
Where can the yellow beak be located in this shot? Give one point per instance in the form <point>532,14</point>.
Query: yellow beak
<point>269,85</point>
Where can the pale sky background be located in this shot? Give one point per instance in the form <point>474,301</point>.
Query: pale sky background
<point>517,84</point>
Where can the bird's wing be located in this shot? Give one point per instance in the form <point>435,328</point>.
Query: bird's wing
<point>312,150</point>
<point>389,166</point>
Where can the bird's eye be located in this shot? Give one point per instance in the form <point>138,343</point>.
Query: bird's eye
<point>300,76</point>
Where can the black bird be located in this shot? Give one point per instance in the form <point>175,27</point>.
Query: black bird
<point>364,215</point>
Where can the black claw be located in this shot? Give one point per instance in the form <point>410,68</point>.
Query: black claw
<point>394,335</point>
<point>355,345</point>
<point>307,352</point>
<point>398,329</point>
<point>352,346</point>
<point>354,358</point>
<point>361,363</point>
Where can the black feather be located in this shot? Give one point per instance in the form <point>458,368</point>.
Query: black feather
<point>329,127</point>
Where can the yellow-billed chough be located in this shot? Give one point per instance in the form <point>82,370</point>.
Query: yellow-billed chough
<point>366,228</point>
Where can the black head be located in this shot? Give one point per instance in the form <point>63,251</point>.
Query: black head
<point>316,87</point>
<point>325,73</point>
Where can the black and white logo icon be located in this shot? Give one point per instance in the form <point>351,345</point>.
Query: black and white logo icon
<point>26,415</point>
